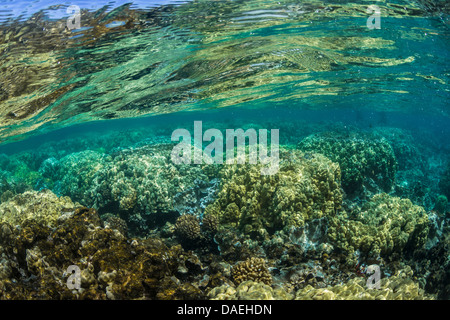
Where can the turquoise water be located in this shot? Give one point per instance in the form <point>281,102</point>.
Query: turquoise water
<point>363,173</point>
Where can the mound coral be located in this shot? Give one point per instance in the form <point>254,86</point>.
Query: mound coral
<point>398,287</point>
<point>406,148</point>
<point>210,223</point>
<point>362,158</point>
<point>139,182</point>
<point>383,226</point>
<point>307,186</point>
<point>249,290</point>
<point>187,227</point>
<point>117,223</point>
<point>43,207</point>
<point>253,269</point>
<point>76,175</point>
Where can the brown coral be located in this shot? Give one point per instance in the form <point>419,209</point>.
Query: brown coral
<point>187,227</point>
<point>254,269</point>
<point>112,266</point>
<point>118,224</point>
<point>210,223</point>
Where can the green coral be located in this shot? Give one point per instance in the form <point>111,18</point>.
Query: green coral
<point>307,186</point>
<point>43,207</point>
<point>141,181</point>
<point>444,183</point>
<point>441,204</point>
<point>15,175</point>
<point>360,156</point>
<point>384,225</point>
<point>77,172</point>
<point>406,149</point>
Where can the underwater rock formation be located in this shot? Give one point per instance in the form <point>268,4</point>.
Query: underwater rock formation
<point>363,159</point>
<point>306,187</point>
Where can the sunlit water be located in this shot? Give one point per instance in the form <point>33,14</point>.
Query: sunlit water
<point>133,60</point>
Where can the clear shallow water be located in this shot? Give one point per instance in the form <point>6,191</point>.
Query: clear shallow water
<point>306,55</point>
<point>88,113</point>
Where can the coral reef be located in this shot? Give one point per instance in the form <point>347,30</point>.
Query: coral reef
<point>249,290</point>
<point>434,267</point>
<point>441,205</point>
<point>141,183</point>
<point>116,223</point>
<point>15,176</point>
<point>254,269</point>
<point>400,286</point>
<point>383,226</point>
<point>397,287</point>
<point>195,199</point>
<point>157,230</point>
<point>42,207</point>
<point>210,223</point>
<point>307,186</point>
<point>187,227</point>
<point>363,158</point>
<point>444,183</point>
<point>407,151</point>
<point>35,259</point>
